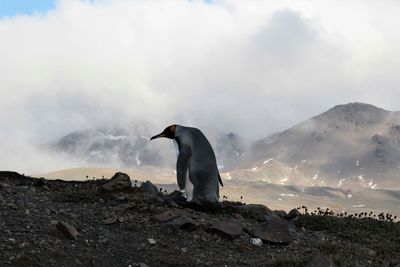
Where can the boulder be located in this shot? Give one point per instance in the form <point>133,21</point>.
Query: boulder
<point>150,188</point>
<point>253,210</point>
<point>182,222</point>
<point>119,182</point>
<point>228,228</point>
<point>275,230</point>
<point>67,230</point>
<point>166,216</point>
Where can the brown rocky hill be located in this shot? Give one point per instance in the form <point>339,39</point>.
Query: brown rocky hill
<point>355,145</point>
<point>117,223</point>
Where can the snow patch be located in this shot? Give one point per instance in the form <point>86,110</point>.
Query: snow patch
<point>341,182</point>
<point>138,162</point>
<point>254,169</point>
<point>289,195</point>
<point>359,206</point>
<point>284,180</point>
<point>268,160</point>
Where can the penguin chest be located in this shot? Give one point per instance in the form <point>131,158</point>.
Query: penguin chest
<point>188,188</point>
<point>188,184</point>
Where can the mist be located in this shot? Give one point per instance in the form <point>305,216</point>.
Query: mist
<point>249,67</point>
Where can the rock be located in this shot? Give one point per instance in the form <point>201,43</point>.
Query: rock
<point>149,187</point>
<point>126,206</point>
<point>252,210</point>
<point>257,242</point>
<point>119,182</point>
<point>372,253</point>
<point>166,216</point>
<point>151,241</point>
<point>122,198</point>
<point>321,259</point>
<point>275,231</point>
<point>292,215</point>
<point>24,245</point>
<point>40,182</point>
<point>110,220</point>
<point>68,230</point>
<point>22,188</point>
<point>291,227</point>
<point>183,222</point>
<point>281,213</point>
<point>228,228</point>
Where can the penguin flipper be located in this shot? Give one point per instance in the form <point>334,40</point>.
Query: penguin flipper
<point>182,166</point>
<point>220,180</point>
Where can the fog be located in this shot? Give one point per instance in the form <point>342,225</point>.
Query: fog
<point>249,67</point>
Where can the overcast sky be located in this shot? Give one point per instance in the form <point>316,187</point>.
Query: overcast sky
<point>252,67</point>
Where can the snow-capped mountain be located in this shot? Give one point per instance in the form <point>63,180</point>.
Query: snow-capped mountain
<point>349,145</point>
<point>119,147</point>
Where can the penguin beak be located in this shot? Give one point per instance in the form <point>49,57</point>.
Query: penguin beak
<point>157,136</point>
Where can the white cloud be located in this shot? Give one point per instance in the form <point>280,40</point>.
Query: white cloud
<point>254,67</point>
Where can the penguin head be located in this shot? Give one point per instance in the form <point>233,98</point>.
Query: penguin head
<point>168,132</point>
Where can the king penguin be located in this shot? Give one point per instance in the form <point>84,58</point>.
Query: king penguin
<point>196,167</point>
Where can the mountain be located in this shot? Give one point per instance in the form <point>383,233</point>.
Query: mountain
<point>118,147</point>
<point>352,146</point>
<point>349,145</point>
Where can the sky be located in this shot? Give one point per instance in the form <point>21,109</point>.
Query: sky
<point>10,8</point>
<point>250,67</point>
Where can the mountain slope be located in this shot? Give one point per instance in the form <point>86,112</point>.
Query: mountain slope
<point>353,144</point>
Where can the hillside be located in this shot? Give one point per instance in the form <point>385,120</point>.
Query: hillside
<point>353,146</point>
<point>114,223</point>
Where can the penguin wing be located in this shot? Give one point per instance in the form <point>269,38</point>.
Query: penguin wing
<point>220,180</point>
<point>182,165</point>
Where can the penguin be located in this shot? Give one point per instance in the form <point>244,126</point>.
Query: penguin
<point>196,167</point>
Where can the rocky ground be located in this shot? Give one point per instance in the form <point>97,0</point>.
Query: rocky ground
<point>116,223</point>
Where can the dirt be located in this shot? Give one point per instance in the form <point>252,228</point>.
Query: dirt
<point>74,223</point>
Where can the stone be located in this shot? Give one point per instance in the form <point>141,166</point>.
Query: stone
<point>228,228</point>
<point>292,215</point>
<point>151,241</point>
<point>149,187</point>
<point>110,220</point>
<point>281,213</point>
<point>119,182</point>
<point>166,216</point>
<point>182,222</point>
<point>126,206</point>
<point>68,230</point>
<point>24,245</point>
<point>122,198</point>
<point>22,188</point>
<point>252,210</point>
<point>274,231</point>
<point>257,242</point>
<point>40,182</point>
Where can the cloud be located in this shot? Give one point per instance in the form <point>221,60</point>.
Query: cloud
<point>245,66</point>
